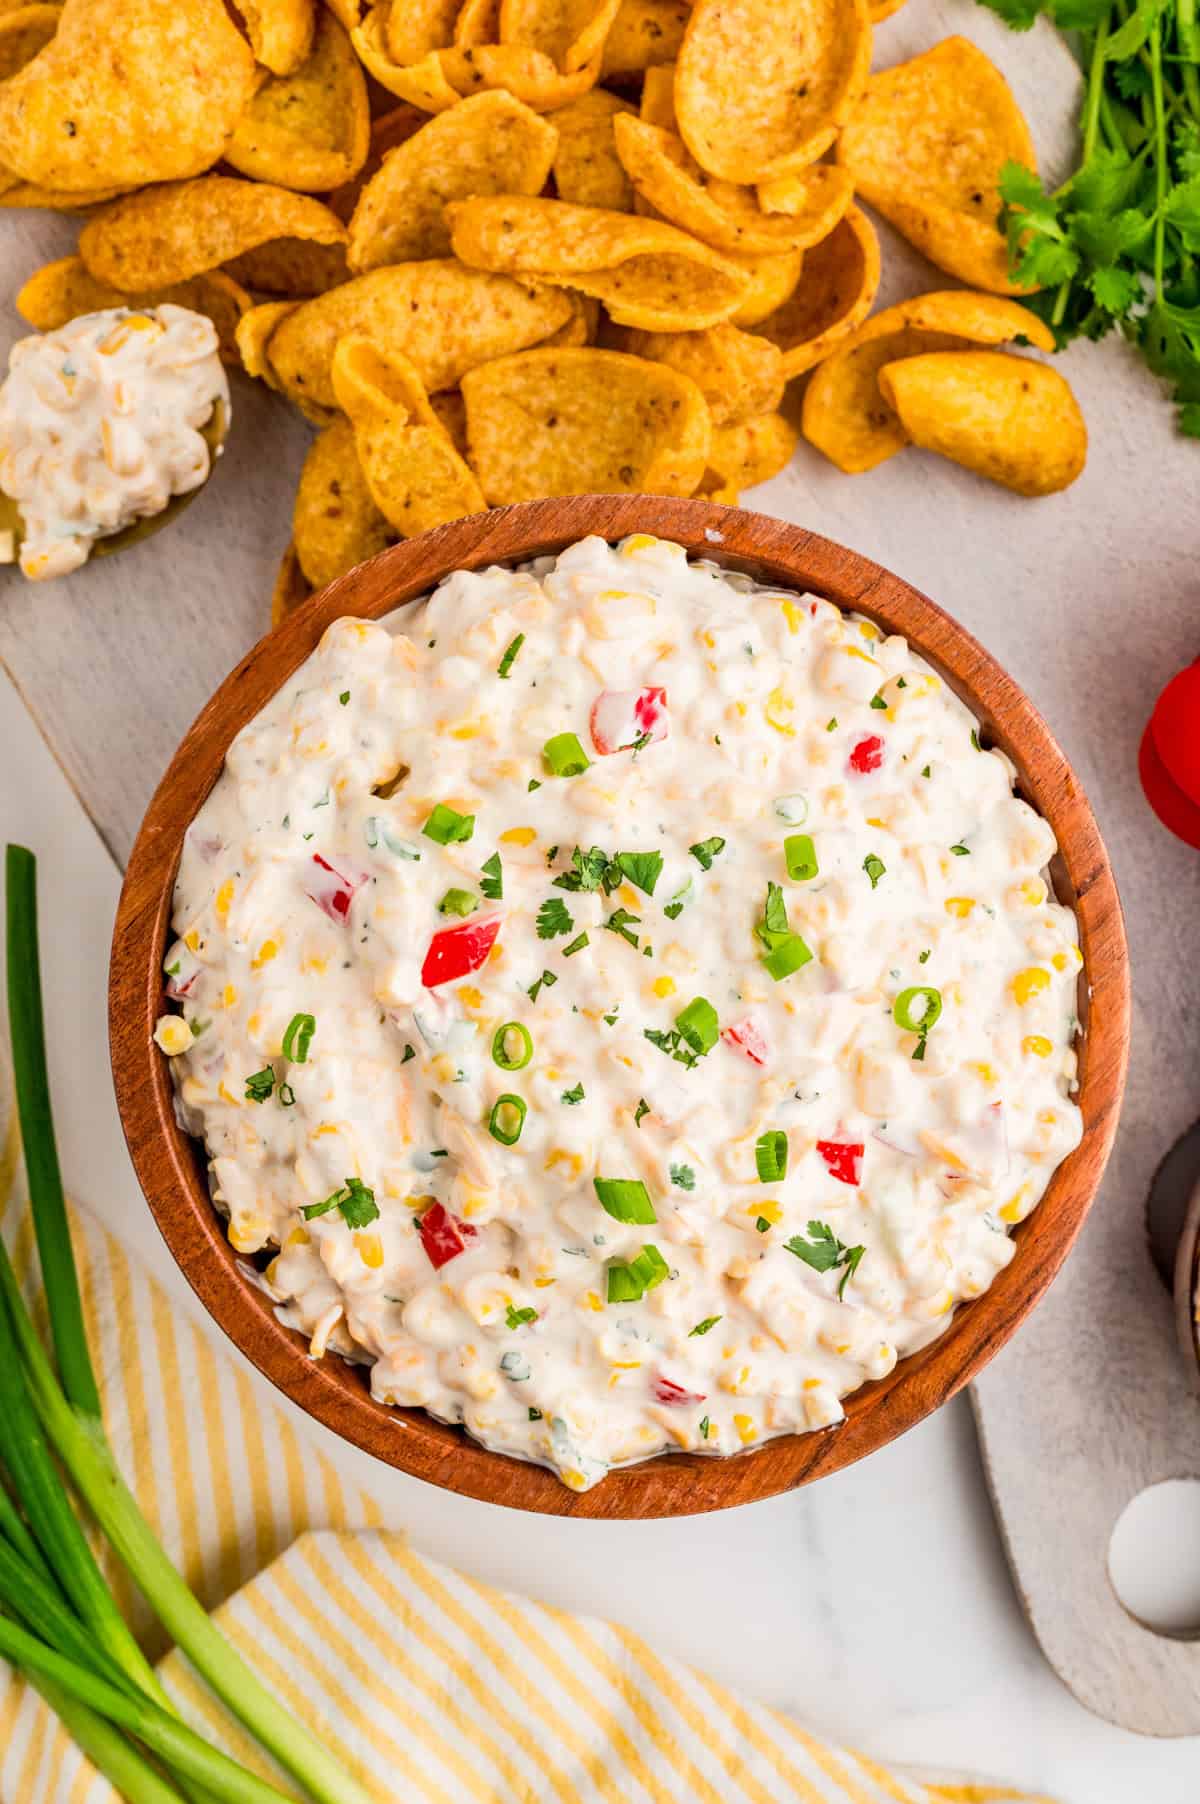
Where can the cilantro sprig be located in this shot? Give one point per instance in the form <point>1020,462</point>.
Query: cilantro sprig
<point>1117,247</point>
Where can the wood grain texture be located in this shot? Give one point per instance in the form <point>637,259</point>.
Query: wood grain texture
<point>171,1169</point>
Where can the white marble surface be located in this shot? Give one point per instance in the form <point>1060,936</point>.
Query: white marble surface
<point>876,1605</point>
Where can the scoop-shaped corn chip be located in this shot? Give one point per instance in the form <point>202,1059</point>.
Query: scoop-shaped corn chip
<point>408,30</point>
<point>58,200</point>
<point>761,88</point>
<point>883,9</point>
<point>658,97</point>
<point>646,273</point>
<point>644,34</point>
<point>311,129</point>
<point>846,416</point>
<point>280,31</point>
<point>451,410</point>
<point>587,169</point>
<point>770,280</point>
<point>127,91</point>
<point>573,422</point>
<point>296,267</point>
<point>335,522</point>
<point>526,72</point>
<point>416,477</point>
<point>290,588</point>
<point>346,12</point>
<point>388,132</point>
<point>478,22</point>
<point>834,295</point>
<point>737,373</point>
<point>444,318</point>
<point>254,332</point>
<point>723,214</point>
<point>570,32</point>
<point>925,146</point>
<point>747,452</point>
<point>489,144</point>
<point>167,233</point>
<point>23,33</point>
<point>61,291</point>
<point>1007,418</point>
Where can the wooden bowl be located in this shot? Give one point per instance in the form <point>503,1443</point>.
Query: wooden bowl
<point>171,1167</point>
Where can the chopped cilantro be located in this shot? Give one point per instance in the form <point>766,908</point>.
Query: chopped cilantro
<point>642,869</point>
<point>510,655</point>
<point>517,1318</point>
<point>573,1096</point>
<point>492,881</point>
<point>824,1252</point>
<point>683,1177</point>
<point>577,945</point>
<point>875,868</point>
<point>620,921</point>
<point>710,1321</point>
<point>707,850</point>
<point>546,981</point>
<point>553,918</point>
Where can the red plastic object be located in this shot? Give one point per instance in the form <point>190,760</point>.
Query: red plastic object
<point>1175,727</point>
<point>1174,809</point>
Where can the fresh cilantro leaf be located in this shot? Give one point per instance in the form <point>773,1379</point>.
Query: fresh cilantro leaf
<point>553,918</point>
<point>620,921</point>
<point>572,1096</point>
<point>545,982</point>
<point>683,1177</point>
<point>643,1108</point>
<point>588,871</point>
<point>642,868</point>
<point>707,850</point>
<point>824,1252</point>
<point>516,1318</point>
<point>492,881</point>
<point>710,1321</point>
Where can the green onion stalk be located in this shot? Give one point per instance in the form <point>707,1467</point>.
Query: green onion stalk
<point>40,1410</point>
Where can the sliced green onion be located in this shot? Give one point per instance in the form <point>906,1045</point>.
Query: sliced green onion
<point>699,1025</point>
<point>287,1095</point>
<point>564,756</point>
<point>298,1038</point>
<point>517,1318</point>
<point>629,1280</point>
<point>510,655</point>
<point>788,956</point>
<point>507,1119</point>
<point>458,902</point>
<point>625,1199</point>
<point>447,826</point>
<point>792,809</point>
<point>577,945</point>
<point>917,1009</point>
<point>800,856</point>
<point>504,1054</point>
<point>710,1321</point>
<point>771,1156</point>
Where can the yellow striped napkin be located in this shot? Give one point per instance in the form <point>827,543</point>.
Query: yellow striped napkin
<point>433,1688</point>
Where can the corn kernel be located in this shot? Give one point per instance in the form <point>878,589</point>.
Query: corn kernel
<point>266,952</point>
<point>639,541</point>
<point>1033,892</point>
<point>1030,983</point>
<point>223,899</point>
<point>519,836</point>
<point>191,939</point>
<point>959,906</point>
<point>172,1035</point>
<point>1037,1045</point>
<point>747,1432</point>
<point>664,986</point>
<point>769,1211</point>
<point>779,711</point>
<point>793,615</point>
<point>229,996</point>
<point>370,1249</point>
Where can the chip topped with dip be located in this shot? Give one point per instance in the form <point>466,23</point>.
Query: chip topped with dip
<point>624,1006</point>
<point>102,423</point>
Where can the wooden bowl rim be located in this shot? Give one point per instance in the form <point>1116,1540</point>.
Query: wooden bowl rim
<point>171,1174</point>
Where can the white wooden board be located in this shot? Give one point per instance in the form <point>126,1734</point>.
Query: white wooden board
<point>1091,599</point>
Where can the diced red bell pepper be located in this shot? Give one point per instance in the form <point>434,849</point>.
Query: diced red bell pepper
<point>866,754</point>
<point>747,1036</point>
<point>844,1159</point>
<point>665,1390</point>
<point>443,1236</point>
<point>180,986</point>
<point>333,890</point>
<point>620,717</point>
<point>457,951</point>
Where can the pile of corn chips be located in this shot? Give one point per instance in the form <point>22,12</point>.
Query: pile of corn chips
<point>503,249</point>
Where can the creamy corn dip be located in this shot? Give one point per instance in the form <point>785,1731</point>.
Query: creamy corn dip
<point>630,1002</point>
<point>100,425</point>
